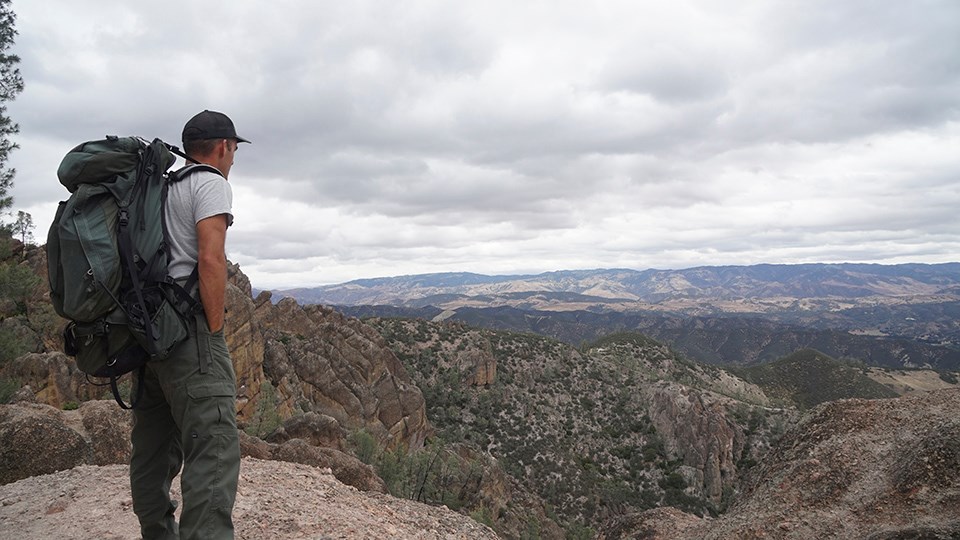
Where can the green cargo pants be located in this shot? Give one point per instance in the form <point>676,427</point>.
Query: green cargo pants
<point>187,417</point>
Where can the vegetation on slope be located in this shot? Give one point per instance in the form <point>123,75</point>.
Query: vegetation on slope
<point>572,426</point>
<point>809,377</point>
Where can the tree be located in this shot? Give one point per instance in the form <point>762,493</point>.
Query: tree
<point>23,228</point>
<point>11,84</point>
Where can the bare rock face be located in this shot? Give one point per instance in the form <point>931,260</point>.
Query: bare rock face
<point>886,468</point>
<point>323,362</point>
<point>38,439</point>
<point>244,337</point>
<point>53,377</point>
<point>698,430</point>
<point>480,366</point>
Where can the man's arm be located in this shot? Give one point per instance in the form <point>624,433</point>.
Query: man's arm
<point>212,267</point>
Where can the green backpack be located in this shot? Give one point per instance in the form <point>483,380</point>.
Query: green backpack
<point>107,255</point>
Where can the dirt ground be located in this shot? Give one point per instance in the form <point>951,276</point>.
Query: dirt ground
<point>275,500</point>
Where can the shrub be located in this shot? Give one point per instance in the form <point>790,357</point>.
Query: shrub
<point>8,387</point>
<point>265,418</point>
<point>364,445</point>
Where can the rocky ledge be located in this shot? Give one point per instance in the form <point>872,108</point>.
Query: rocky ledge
<point>275,500</point>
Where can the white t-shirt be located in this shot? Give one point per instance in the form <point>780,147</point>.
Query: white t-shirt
<point>200,195</point>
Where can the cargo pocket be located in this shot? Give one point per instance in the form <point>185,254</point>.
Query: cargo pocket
<point>221,394</point>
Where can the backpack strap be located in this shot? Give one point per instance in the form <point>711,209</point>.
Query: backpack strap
<point>134,399</point>
<point>183,292</point>
<point>189,169</point>
<point>138,313</point>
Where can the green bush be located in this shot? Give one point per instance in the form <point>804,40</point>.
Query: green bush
<point>11,345</point>
<point>364,446</point>
<point>8,387</point>
<point>17,283</point>
<point>673,480</point>
<point>482,515</point>
<point>265,418</point>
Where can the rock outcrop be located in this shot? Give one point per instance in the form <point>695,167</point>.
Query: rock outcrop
<point>54,378</point>
<point>885,468</point>
<point>318,360</point>
<point>244,336</point>
<point>323,362</point>
<point>346,468</point>
<point>873,469</point>
<point>37,439</point>
<point>275,501</point>
<point>698,430</point>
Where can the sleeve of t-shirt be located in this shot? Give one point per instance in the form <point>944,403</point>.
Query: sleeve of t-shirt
<point>213,197</point>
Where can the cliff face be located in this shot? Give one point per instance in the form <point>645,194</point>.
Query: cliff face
<point>323,362</point>
<point>244,336</point>
<point>698,430</point>
<point>874,469</point>
<point>886,468</point>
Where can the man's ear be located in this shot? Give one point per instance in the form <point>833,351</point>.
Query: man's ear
<point>223,147</point>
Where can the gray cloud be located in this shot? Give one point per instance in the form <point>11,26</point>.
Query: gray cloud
<point>504,137</point>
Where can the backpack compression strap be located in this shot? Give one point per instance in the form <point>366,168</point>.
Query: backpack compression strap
<point>135,399</point>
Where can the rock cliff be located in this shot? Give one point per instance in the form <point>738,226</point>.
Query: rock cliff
<point>323,362</point>
<point>873,469</point>
<point>696,428</point>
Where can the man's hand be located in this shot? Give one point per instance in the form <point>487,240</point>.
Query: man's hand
<point>212,267</point>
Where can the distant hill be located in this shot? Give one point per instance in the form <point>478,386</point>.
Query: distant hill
<point>755,288</point>
<point>904,315</point>
<point>725,340</point>
<point>808,377</point>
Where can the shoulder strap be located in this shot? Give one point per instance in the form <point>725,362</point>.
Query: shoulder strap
<point>187,170</point>
<point>185,301</point>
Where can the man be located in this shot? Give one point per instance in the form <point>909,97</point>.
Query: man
<point>187,415</point>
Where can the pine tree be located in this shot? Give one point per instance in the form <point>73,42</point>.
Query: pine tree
<point>11,84</point>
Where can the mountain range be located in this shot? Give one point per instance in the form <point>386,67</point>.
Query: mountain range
<point>886,315</point>
<point>758,288</point>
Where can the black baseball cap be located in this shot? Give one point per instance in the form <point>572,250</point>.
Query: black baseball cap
<point>210,125</point>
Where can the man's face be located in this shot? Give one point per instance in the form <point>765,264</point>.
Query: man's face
<point>226,158</point>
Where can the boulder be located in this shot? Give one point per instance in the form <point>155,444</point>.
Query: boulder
<point>317,429</point>
<point>346,468</point>
<point>107,428</point>
<point>35,440</point>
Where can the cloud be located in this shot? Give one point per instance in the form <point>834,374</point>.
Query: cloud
<point>505,137</point>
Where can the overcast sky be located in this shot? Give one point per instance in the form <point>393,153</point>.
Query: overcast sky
<point>405,137</point>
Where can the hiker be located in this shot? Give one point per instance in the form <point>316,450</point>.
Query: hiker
<point>187,414</point>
